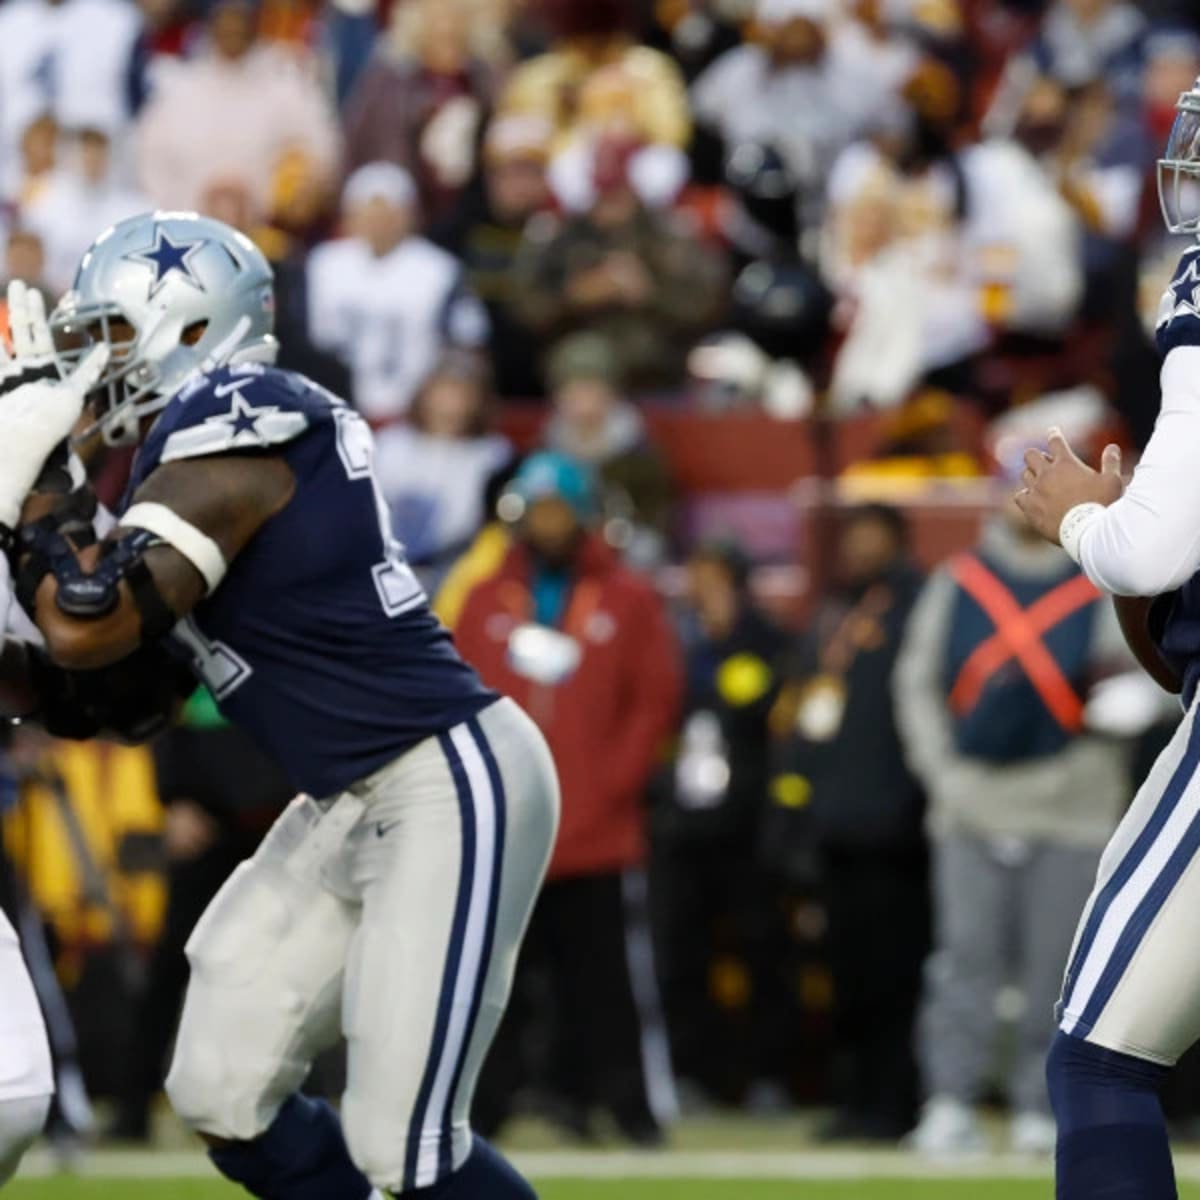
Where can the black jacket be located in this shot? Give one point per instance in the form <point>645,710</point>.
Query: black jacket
<point>858,793</point>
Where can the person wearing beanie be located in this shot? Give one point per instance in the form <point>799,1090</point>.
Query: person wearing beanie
<point>585,647</point>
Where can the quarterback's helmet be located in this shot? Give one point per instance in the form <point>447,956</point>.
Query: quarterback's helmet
<point>170,293</point>
<point>1179,167</point>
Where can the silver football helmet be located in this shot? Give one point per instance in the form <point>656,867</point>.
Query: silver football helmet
<point>171,293</point>
<point>1179,167</point>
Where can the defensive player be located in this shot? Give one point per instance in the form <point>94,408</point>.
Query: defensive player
<point>1131,997</point>
<point>389,900</point>
<point>26,1073</point>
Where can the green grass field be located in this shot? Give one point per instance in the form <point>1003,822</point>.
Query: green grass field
<point>593,1189</point>
<point>606,1189</point>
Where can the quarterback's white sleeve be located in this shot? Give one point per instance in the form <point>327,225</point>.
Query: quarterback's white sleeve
<point>1148,542</point>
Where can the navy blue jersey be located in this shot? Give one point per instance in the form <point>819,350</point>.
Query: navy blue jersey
<point>319,641</point>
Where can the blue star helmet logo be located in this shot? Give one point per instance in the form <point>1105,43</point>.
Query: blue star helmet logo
<point>166,256</point>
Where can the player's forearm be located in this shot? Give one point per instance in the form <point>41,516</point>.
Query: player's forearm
<point>1148,542</point>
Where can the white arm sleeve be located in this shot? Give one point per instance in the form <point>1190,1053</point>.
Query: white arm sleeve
<point>1148,542</point>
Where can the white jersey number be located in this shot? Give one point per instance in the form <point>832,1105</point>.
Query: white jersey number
<point>398,588</point>
<point>221,668</point>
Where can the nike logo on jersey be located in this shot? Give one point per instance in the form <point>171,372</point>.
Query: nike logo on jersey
<point>382,830</point>
<point>225,389</point>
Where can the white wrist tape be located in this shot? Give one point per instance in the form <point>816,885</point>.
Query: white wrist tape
<point>1076,520</point>
<point>198,548</point>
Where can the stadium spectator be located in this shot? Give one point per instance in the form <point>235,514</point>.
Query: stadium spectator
<point>713,901</point>
<point>595,425</point>
<point>941,258</point>
<point>435,470</point>
<point>805,83</point>
<point>848,812</point>
<point>991,688</point>
<point>421,101</point>
<point>694,32</point>
<point>36,160</point>
<point>636,277</point>
<point>84,194</point>
<point>590,38</point>
<point>244,103</point>
<point>486,232</point>
<point>82,62</point>
<point>25,259</point>
<point>1082,41</point>
<point>585,647</point>
<point>385,299</point>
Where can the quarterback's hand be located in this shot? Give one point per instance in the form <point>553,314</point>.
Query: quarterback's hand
<point>37,409</point>
<point>1056,480</point>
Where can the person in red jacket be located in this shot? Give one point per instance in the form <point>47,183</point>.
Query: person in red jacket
<point>585,646</point>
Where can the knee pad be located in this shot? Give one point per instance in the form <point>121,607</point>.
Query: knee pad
<point>21,1121</point>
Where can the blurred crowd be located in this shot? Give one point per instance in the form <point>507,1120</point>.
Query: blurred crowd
<point>812,853</point>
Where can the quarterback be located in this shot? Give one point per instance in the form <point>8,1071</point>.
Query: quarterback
<point>1131,997</point>
<point>388,902</point>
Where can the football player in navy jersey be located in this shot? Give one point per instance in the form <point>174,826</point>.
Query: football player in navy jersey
<point>389,901</point>
<point>1131,997</point>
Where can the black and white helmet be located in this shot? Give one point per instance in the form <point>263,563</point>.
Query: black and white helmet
<point>171,293</point>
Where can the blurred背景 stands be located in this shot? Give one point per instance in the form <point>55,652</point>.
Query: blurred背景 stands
<point>847,821</point>
<point>630,274</point>
<point>584,645</point>
<point>384,298</point>
<point>486,231</point>
<point>85,191</point>
<point>436,470</point>
<point>422,99</point>
<point>210,96</point>
<point>715,906</point>
<point>1023,796</point>
<point>81,63</point>
<point>594,424</point>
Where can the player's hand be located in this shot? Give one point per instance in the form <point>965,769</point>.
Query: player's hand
<point>38,410</point>
<point>1055,480</point>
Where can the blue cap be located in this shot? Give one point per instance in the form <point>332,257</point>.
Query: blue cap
<point>548,473</point>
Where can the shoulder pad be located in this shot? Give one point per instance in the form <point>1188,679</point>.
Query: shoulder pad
<point>1179,311</point>
<point>241,408</point>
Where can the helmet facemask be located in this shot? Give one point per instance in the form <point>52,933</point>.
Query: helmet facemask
<point>1179,169</point>
<point>118,400</point>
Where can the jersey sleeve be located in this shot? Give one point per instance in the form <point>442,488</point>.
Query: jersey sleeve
<point>1179,311</point>
<point>235,410</point>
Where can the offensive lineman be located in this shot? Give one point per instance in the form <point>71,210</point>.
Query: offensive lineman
<point>389,900</point>
<point>1131,996</point>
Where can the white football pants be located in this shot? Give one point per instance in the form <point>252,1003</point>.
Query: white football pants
<point>1133,980</point>
<point>394,917</point>
<point>26,1073</point>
